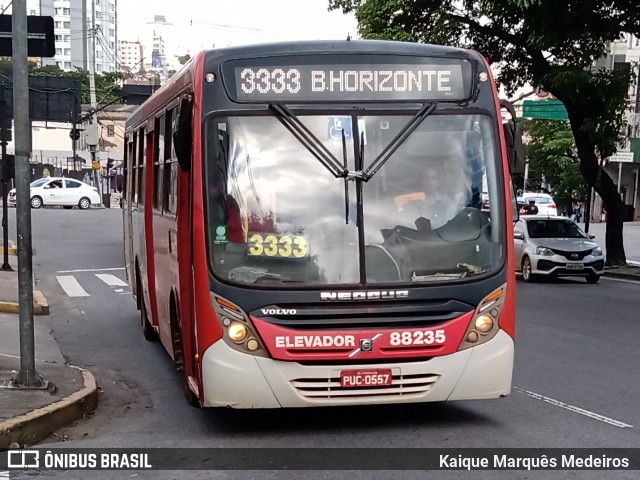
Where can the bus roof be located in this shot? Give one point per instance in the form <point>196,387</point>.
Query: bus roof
<point>339,46</point>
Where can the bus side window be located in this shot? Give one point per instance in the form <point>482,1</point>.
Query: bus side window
<point>172,200</point>
<point>134,169</point>
<point>166,158</point>
<point>158,162</point>
<point>141,161</point>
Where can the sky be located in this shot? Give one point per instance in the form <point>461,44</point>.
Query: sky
<point>193,25</point>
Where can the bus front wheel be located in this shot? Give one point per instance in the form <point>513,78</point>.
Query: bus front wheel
<point>147,329</point>
<point>179,357</point>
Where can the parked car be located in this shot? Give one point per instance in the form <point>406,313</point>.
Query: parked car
<point>553,247</point>
<point>62,191</point>
<point>545,203</point>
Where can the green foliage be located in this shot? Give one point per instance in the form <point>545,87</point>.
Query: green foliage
<point>184,58</point>
<point>530,42</point>
<point>553,158</point>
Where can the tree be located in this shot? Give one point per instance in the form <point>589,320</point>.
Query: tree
<point>184,58</point>
<point>545,43</point>
<point>553,159</point>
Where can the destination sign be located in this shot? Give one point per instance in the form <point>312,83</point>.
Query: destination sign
<point>356,82</point>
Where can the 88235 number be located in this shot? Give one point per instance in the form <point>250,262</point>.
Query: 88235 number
<point>417,337</point>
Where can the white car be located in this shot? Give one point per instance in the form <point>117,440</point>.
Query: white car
<point>62,191</point>
<point>544,202</point>
<point>555,247</point>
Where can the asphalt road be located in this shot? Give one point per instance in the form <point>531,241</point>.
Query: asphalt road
<point>575,379</point>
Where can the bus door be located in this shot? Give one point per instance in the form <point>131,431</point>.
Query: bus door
<point>127,202</point>
<point>148,226</point>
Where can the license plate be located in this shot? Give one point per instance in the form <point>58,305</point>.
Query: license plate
<point>575,266</point>
<point>366,378</point>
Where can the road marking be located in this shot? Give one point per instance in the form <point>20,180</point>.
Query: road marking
<point>581,411</point>
<point>9,356</point>
<point>4,474</point>
<point>71,286</point>
<point>623,280</point>
<point>111,280</point>
<point>91,270</point>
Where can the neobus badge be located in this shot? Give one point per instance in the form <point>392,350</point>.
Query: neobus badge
<point>366,295</point>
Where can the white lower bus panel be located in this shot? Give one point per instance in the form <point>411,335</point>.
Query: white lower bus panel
<point>237,380</point>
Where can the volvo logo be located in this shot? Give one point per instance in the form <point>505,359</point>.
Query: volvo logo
<point>366,345</point>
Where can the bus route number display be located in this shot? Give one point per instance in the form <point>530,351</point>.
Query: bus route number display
<point>277,246</point>
<point>382,82</point>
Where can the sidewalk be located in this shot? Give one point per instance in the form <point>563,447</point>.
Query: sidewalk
<point>28,416</point>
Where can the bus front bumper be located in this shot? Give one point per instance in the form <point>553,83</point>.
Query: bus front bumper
<point>238,380</point>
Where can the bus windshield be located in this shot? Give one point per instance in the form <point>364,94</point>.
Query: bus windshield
<point>278,216</point>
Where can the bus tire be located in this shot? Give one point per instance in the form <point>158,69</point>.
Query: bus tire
<point>149,333</point>
<point>178,354</point>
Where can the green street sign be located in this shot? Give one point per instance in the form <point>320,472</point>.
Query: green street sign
<point>544,109</point>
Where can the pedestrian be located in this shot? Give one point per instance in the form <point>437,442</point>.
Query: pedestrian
<point>531,208</point>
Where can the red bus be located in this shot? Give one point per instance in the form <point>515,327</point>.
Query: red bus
<point>325,223</point>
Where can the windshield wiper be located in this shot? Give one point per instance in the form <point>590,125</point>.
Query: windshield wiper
<point>250,275</point>
<point>399,139</point>
<point>438,276</point>
<point>461,271</point>
<point>471,269</point>
<point>309,141</point>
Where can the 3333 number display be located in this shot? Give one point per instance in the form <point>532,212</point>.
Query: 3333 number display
<point>278,246</point>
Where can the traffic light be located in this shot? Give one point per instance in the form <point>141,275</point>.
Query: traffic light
<point>8,168</point>
<point>110,162</point>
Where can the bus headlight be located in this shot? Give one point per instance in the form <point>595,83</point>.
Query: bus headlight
<point>237,332</point>
<point>484,323</point>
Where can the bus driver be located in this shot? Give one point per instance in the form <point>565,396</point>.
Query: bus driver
<point>445,191</point>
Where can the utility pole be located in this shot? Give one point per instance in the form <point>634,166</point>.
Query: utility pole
<point>27,377</point>
<point>91,132</point>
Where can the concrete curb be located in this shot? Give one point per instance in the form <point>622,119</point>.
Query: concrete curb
<point>38,424</point>
<point>623,276</point>
<point>40,305</point>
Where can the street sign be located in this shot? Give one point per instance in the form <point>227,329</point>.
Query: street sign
<point>622,157</point>
<point>40,39</point>
<point>544,109</point>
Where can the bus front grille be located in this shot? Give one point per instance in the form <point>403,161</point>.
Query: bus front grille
<point>329,388</point>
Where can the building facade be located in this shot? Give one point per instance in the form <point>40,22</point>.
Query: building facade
<point>73,22</point>
<point>130,56</point>
<point>624,167</point>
